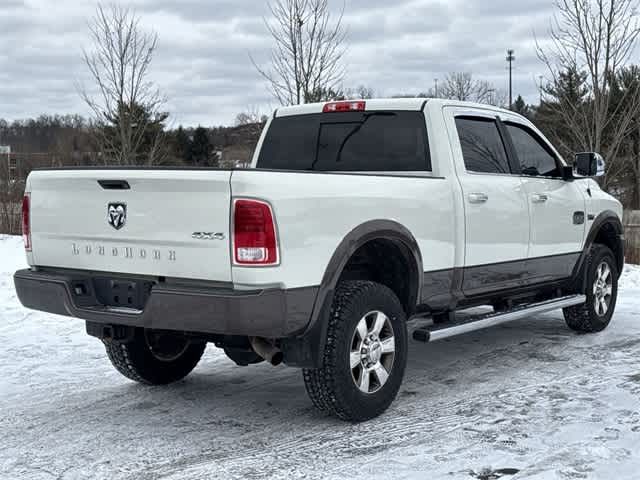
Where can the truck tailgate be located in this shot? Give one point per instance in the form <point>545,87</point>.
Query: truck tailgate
<point>172,223</point>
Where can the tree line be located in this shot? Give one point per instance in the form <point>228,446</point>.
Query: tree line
<point>67,140</point>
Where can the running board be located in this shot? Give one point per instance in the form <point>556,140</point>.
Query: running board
<point>439,331</point>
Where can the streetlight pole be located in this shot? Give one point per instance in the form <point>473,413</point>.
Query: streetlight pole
<point>510,59</point>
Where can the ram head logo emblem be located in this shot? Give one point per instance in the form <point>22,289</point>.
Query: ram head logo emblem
<point>117,215</point>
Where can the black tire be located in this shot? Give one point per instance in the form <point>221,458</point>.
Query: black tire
<point>332,388</point>
<point>174,357</point>
<point>585,318</point>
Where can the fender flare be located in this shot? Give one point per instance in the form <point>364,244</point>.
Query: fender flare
<point>356,238</point>
<point>306,350</point>
<point>607,217</point>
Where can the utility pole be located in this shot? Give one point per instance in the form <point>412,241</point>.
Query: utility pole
<point>541,77</point>
<point>436,87</point>
<point>510,58</point>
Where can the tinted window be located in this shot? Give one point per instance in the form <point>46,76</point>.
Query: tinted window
<point>482,147</point>
<point>534,158</point>
<point>368,141</point>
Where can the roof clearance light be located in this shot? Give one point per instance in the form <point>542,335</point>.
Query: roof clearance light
<point>356,106</point>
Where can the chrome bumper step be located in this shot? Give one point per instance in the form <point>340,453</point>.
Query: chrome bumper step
<point>439,331</point>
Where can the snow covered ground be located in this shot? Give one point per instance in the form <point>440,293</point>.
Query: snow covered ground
<point>528,400</point>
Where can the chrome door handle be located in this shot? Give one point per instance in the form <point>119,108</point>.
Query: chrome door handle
<point>478,197</point>
<point>539,198</point>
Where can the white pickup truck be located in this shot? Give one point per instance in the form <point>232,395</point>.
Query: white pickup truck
<point>355,217</point>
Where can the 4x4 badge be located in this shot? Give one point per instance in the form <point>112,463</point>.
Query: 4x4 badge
<point>117,215</point>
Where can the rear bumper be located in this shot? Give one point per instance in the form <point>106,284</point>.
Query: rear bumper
<point>271,313</point>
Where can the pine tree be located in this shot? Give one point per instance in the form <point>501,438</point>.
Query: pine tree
<point>201,148</point>
<point>521,107</point>
<point>183,145</point>
<point>568,93</point>
<point>147,131</point>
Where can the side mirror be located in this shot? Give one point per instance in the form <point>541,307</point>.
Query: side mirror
<point>589,164</point>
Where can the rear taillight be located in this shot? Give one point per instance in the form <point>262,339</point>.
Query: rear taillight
<point>254,233</point>
<point>355,106</point>
<point>26,222</point>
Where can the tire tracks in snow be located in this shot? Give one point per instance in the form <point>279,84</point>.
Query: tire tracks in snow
<point>410,423</point>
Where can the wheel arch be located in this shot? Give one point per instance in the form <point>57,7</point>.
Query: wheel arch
<point>306,350</point>
<point>386,234</point>
<point>606,229</point>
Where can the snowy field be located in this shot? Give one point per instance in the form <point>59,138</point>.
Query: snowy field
<point>528,400</point>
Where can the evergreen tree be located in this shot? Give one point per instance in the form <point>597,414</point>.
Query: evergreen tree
<point>568,93</point>
<point>182,145</point>
<point>625,173</point>
<point>201,154</point>
<point>521,107</point>
<point>145,142</point>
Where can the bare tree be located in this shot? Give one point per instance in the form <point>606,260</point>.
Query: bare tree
<point>497,97</point>
<point>462,86</point>
<point>458,86</point>
<point>306,60</point>
<point>596,37</point>
<point>250,116</point>
<point>360,92</point>
<point>127,106</point>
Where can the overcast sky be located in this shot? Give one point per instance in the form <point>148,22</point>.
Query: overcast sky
<point>202,64</point>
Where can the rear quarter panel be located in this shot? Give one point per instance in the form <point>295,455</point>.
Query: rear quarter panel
<point>315,211</point>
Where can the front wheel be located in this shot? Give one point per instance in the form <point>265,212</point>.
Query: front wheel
<point>155,357</point>
<point>602,291</point>
<point>365,353</point>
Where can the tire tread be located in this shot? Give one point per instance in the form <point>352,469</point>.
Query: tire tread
<point>580,318</point>
<point>134,361</point>
<point>320,383</point>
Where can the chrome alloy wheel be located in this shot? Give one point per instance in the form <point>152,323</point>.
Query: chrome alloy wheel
<point>373,350</point>
<point>602,289</point>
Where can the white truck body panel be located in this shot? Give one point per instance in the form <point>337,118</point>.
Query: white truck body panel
<point>316,212</point>
<point>562,200</point>
<point>164,208</point>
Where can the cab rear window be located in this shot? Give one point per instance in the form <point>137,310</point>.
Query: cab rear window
<point>352,141</point>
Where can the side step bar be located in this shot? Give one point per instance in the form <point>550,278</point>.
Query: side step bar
<point>439,331</point>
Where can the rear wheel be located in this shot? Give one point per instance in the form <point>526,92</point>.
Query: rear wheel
<point>602,291</point>
<point>365,354</point>
<point>155,357</point>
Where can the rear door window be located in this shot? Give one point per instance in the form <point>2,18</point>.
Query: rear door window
<point>482,146</point>
<point>352,141</point>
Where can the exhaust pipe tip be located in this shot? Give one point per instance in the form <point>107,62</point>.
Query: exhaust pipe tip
<point>276,358</point>
<point>266,350</point>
